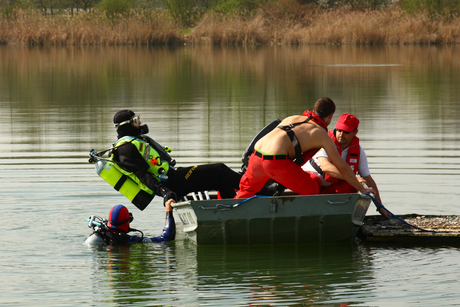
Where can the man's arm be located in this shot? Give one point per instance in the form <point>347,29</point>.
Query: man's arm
<point>329,168</point>
<point>169,229</point>
<point>343,168</point>
<point>371,183</point>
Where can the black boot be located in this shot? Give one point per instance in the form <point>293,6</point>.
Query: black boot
<point>272,188</point>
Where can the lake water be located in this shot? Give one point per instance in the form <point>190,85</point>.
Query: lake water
<point>207,103</point>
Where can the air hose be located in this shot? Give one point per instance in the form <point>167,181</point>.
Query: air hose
<point>379,205</point>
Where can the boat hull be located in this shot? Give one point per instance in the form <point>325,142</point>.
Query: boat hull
<point>273,220</point>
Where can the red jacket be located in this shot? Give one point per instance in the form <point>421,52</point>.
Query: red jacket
<point>352,156</point>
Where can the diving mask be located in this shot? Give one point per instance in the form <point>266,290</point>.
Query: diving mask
<point>135,121</point>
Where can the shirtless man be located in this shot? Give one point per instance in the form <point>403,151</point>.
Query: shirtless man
<point>280,153</point>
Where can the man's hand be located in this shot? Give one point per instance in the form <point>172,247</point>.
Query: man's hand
<point>169,195</point>
<point>168,204</point>
<point>368,191</point>
<point>383,212</point>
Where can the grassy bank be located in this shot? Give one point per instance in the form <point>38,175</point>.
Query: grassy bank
<point>151,28</point>
<point>302,27</point>
<point>391,26</point>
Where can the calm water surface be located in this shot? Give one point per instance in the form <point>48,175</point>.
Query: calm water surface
<point>207,103</point>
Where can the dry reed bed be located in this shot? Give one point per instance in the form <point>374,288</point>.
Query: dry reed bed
<point>390,26</point>
<point>335,27</point>
<point>89,29</point>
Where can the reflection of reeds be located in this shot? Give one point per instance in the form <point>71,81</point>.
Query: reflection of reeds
<point>391,26</point>
<point>173,79</point>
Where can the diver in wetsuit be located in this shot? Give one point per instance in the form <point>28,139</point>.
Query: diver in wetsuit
<point>279,154</point>
<point>151,168</point>
<point>114,231</point>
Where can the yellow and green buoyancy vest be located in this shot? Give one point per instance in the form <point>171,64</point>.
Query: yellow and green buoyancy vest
<point>157,166</point>
<point>126,182</point>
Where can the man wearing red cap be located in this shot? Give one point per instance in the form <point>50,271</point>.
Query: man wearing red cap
<point>280,153</point>
<point>347,144</point>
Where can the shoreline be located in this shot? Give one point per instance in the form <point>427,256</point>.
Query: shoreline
<point>383,27</point>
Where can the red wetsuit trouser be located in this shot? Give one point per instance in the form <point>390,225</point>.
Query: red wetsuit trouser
<point>340,187</point>
<point>285,172</point>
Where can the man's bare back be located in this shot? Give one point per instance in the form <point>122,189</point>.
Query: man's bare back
<point>296,136</point>
<point>310,135</point>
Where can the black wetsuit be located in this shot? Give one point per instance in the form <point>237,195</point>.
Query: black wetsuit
<point>181,180</point>
<point>114,237</point>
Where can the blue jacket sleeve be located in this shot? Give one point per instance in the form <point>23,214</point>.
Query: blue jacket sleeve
<point>169,230</point>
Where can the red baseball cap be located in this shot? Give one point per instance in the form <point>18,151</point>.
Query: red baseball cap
<point>347,123</point>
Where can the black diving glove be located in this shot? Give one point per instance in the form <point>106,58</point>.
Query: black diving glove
<point>168,195</point>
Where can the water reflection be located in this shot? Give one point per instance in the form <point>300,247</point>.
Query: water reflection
<point>237,275</point>
<point>301,274</point>
<point>134,274</point>
<point>207,103</point>
<point>216,89</point>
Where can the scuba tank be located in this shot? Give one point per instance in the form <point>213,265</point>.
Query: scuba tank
<point>125,182</point>
<point>104,235</point>
<point>111,173</point>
